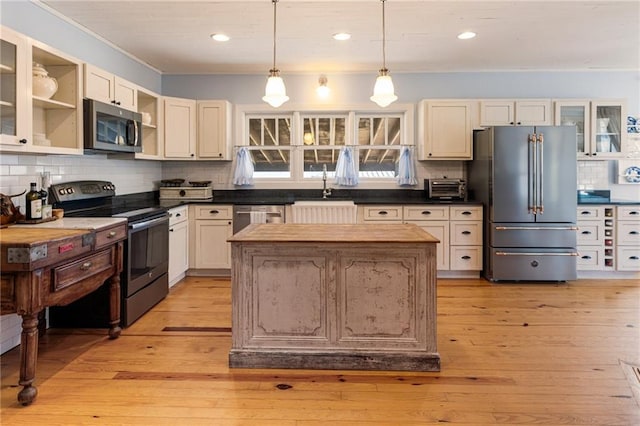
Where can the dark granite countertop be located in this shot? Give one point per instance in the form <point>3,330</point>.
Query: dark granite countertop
<point>281,197</point>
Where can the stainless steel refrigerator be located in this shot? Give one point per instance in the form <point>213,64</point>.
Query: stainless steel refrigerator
<point>526,179</point>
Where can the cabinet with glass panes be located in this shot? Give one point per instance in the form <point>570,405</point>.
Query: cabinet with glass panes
<point>15,133</point>
<point>599,126</point>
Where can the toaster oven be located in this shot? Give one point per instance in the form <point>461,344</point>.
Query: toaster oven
<point>445,189</point>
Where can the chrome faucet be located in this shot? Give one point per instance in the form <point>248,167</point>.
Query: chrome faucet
<point>325,191</point>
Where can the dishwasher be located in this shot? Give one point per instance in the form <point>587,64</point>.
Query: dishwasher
<point>242,215</point>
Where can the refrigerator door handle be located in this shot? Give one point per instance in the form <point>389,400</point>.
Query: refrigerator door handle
<point>541,174</point>
<point>536,228</point>
<point>531,181</point>
<point>505,253</point>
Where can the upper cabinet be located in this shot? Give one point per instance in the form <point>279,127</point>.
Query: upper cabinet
<point>108,88</point>
<point>600,126</point>
<point>150,106</point>
<point>197,130</point>
<point>214,130</point>
<point>179,128</point>
<point>15,126</point>
<point>41,98</point>
<point>445,129</point>
<point>509,112</point>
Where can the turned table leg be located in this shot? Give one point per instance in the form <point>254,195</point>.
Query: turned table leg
<point>28,357</point>
<point>114,306</point>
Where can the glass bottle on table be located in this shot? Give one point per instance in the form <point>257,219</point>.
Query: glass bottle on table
<point>33,203</point>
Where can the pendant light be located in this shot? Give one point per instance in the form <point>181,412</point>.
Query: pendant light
<point>275,94</point>
<point>383,92</point>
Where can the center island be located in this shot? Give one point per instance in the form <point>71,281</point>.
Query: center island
<point>315,296</point>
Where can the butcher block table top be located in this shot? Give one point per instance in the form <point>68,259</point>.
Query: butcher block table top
<point>310,233</point>
<point>25,236</point>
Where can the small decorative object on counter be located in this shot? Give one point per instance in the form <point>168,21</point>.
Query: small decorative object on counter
<point>33,203</point>
<point>43,85</point>
<point>10,213</point>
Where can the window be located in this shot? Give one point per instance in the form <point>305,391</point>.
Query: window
<point>295,146</point>
<point>322,138</point>
<point>379,142</point>
<point>269,140</point>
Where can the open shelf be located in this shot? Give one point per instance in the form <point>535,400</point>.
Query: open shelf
<point>51,103</point>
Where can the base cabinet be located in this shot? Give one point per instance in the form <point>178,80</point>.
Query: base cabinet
<point>178,244</point>
<point>213,225</point>
<point>628,238</point>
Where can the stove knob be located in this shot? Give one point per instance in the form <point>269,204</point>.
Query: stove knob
<point>69,190</point>
<point>183,192</point>
<point>61,191</point>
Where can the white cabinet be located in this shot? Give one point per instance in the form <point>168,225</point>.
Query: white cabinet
<point>31,123</point>
<point>595,238</point>
<point>434,220</point>
<point>15,125</point>
<point>510,112</point>
<point>446,129</point>
<point>178,243</point>
<point>105,87</point>
<point>213,226</point>
<point>628,238</point>
<point>600,126</point>
<point>214,130</point>
<point>152,131</point>
<point>465,251</point>
<point>179,128</point>
<point>380,214</point>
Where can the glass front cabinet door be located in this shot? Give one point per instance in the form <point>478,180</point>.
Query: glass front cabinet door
<point>600,126</point>
<point>14,127</point>
<point>608,127</point>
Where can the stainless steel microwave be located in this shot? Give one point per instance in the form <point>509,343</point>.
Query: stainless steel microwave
<point>111,128</point>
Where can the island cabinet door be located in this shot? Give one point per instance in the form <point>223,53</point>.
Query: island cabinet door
<point>380,298</point>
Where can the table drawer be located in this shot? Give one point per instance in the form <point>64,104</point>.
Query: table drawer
<point>107,237</point>
<point>86,267</point>
<point>213,211</point>
<point>389,213</point>
<point>466,213</point>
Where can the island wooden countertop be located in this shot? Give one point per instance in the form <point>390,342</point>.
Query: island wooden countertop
<point>25,237</point>
<point>329,233</point>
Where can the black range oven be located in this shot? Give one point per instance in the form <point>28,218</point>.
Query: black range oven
<point>144,279</point>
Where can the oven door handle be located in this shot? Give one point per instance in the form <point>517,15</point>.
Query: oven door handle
<point>148,223</point>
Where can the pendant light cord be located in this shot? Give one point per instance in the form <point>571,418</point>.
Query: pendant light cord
<point>274,34</point>
<point>384,40</point>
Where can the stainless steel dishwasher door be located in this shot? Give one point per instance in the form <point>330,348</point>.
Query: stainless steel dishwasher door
<point>242,215</point>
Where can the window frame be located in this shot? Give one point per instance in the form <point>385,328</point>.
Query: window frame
<point>297,112</point>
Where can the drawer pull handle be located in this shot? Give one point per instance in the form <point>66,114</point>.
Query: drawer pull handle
<point>466,232</point>
<point>633,257</point>
<point>633,233</point>
<point>383,212</point>
<point>466,213</point>
<point>635,212</point>
<point>426,212</point>
<point>466,257</point>
<point>111,234</point>
<point>586,257</point>
<point>85,266</point>
<point>214,211</point>
<point>585,212</point>
<point>178,215</point>
<point>586,232</point>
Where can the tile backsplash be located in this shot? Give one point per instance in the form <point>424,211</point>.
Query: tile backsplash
<point>129,176</point>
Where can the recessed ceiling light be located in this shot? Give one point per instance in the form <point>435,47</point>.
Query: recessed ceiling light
<point>466,35</point>
<point>220,37</point>
<point>341,36</point>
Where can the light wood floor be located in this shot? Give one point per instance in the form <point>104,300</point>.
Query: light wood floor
<point>511,354</point>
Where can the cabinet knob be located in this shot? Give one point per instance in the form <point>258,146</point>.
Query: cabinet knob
<point>85,266</point>
<point>519,123</point>
<point>111,234</point>
<point>429,154</point>
<point>23,141</point>
<point>192,155</point>
<point>171,230</point>
<point>178,215</point>
<point>511,123</point>
<point>594,154</point>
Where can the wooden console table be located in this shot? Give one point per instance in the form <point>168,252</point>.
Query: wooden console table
<point>44,267</point>
<point>334,297</point>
